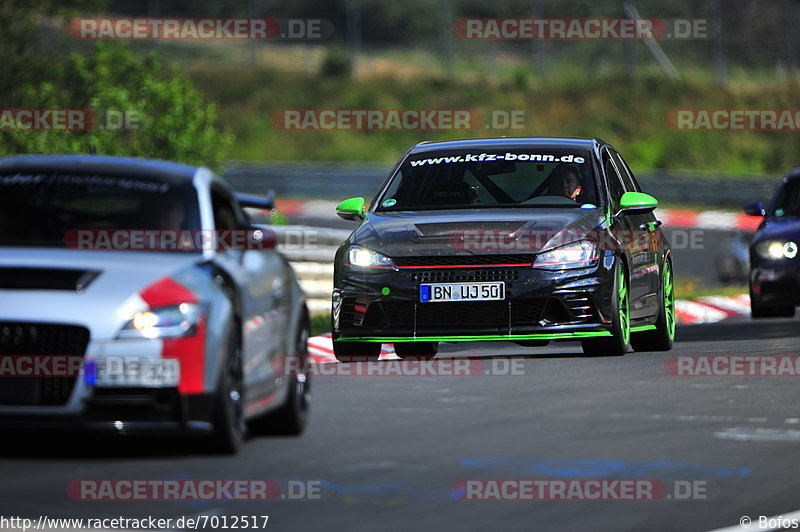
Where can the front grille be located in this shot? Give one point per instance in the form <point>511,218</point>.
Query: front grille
<point>39,339</point>
<point>399,313</point>
<point>465,315</point>
<point>527,312</point>
<point>459,315</point>
<point>448,276</point>
<point>464,260</point>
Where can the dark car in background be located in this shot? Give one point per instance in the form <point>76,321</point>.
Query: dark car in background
<point>512,239</point>
<point>774,263</point>
<point>733,259</point>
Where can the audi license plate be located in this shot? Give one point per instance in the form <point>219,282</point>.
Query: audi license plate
<point>444,292</point>
<point>133,371</point>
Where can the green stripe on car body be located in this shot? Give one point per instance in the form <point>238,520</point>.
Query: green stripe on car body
<point>476,338</point>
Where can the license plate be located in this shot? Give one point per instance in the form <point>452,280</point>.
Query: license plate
<point>133,371</point>
<point>443,292</point>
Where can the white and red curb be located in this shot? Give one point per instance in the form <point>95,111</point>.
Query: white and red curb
<point>320,350</point>
<point>711,309</point>
<point>708,309</point>
<point>711,220</point>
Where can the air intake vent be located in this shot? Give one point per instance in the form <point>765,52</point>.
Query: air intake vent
<point>447,229</point>
<point>16,278</point>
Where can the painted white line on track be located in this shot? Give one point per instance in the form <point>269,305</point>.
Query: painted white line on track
<point>758,434</point>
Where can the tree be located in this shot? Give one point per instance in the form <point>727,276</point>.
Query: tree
<point>166,117</point>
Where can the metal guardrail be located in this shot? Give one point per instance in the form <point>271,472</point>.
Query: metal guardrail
<point>334,180</point>
<point>311,251</point>
<point>712,190</point>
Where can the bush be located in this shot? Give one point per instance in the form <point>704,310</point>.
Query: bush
<point>337,63</point>
<point>167,117</point>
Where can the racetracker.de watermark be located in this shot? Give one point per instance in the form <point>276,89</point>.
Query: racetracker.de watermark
<point>168,240</point>
<point>535,240</point>
<point>396,119</point>
<point>733,119</point>
<point>41,365</point>
<point>193,490</point>
<point>601,489</point>
<point>202,29</point>
<point>579,29</point>
<point>733,365</point>
<point>68,120</point>
<point>142,369</point>
<point>439,367</point>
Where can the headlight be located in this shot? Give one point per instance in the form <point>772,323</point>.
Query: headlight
<point>164,322</point>
<point>772,250</point>
<point>583,254</point>
<point>360,257</point>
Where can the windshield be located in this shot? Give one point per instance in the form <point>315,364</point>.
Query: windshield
<point>458,179</point>
<point>42,210</point>
<point>788,202</point>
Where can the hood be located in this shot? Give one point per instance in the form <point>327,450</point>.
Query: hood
<point>473,232</point>
<point>779,229</point>
<point>80,287</point>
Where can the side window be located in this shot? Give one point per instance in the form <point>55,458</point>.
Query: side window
<point>627,176</point>
<point>225,218</point>
<point>614,183</point>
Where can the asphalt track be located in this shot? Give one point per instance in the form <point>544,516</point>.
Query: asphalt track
<point>388,451</point>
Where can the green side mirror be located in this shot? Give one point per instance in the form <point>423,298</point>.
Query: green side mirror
<point>637,203</point>
<point>351,209</point>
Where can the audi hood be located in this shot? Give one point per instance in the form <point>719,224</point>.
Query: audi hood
<point>96,289</point>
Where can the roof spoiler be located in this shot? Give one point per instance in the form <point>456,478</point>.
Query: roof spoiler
<point>257,202</point>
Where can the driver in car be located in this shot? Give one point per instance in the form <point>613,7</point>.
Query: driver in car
<point>564,181</point>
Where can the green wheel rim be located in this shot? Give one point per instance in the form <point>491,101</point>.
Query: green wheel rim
<point>669,300</point>
<point>622,296</point>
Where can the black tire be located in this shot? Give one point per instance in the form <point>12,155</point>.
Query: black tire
<point>619,342</point>
<point>416,350</point>
<point>229,426</point>
<point>356,351</point>
<point>781,311</point>
<point>291,418</point>
<point>662,338</point>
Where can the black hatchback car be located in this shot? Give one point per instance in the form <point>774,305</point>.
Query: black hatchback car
<point>512,239</point>
<point>774,262</point>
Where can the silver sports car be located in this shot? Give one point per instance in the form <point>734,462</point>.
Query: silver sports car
<point>136,296</point>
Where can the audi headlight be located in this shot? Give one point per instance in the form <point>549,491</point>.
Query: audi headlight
<point>772,250</point>
<point>174,321</point>
<point>583,254</point>
<point>361,257</point>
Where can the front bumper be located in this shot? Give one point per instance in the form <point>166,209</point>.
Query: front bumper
<point>776,282</point>
<point>63,393</point>
<point>539,305</point>
<point>127,410</point>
